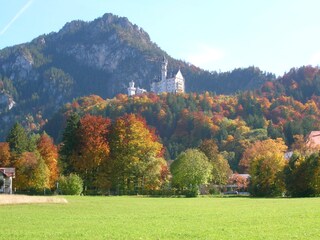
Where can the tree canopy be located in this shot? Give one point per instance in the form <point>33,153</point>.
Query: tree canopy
<point>190,169</point>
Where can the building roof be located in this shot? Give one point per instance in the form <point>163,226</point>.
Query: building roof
<point>313,139</point>
<point>244,175</point>
<point>179,75</point>
<point>8,172</point>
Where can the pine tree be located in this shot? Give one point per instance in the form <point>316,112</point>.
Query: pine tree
<point>69,143</point>
<point>18,139</point>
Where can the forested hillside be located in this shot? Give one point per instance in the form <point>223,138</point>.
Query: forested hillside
<point>300,83</point>
<point>185,120</point>
<point>98,57</point>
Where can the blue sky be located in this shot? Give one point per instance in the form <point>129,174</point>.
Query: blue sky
<point>274,35</point>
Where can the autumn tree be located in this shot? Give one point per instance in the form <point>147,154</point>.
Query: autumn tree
<point>302,175</point>
<point>220,167</point>
<point>241,181</point>
<point>155,174</point>
<point>264,161</point>
<point>93,148</point>
<point>31,172</point>
<point>134,149</point>
<point>49,153</point>
<point>190,169</point>
<point>5,155</point>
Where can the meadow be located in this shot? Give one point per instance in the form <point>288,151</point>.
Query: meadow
<point>163,218</point>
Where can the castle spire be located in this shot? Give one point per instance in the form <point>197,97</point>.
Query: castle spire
<point>164,69</point>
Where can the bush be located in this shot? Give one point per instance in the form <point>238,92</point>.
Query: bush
<point>214,191</point>
<point>70,185</point>
<point>192,192</point>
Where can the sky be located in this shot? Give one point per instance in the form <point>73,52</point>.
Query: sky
<point>216,35</point>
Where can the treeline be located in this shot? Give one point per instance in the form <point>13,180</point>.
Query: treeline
<point>125,156</point>
<point>120,157</point>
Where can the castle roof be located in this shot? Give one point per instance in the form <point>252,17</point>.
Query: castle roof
<point>313,139</point>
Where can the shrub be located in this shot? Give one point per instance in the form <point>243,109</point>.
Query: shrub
<point>70,185</point>
<point>193,192</point>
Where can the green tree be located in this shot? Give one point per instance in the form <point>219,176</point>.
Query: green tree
<point>70,143</point>
<point>70,185</point>
<point>273,132</point>
<point>190,169</point>
<point>302,175</point>
<point>220,167</point>
<point>18,139</point>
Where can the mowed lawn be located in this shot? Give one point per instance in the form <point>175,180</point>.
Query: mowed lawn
<point>163,218</point>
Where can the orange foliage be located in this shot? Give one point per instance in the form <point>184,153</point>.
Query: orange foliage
<point>4,154</point>
<point>267,149</point>
<point>94,148</point>
<point>31,172</point>
<point>49,153</point>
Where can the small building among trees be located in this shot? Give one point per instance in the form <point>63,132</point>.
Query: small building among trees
<point>6,176</point>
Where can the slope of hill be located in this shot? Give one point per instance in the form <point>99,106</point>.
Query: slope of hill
<point>184,120</point>
<point>98,57</point>
<point>300,83</point>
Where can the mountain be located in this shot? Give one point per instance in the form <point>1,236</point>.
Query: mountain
<point>98,57</point>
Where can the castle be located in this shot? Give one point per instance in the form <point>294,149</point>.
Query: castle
<point>132,90</point>
<point>175,84</point>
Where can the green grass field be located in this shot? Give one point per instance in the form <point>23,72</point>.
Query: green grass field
<point>163,218</point>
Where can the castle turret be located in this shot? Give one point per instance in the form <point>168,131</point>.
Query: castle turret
<point>164,69</point>
<point>131,89</point>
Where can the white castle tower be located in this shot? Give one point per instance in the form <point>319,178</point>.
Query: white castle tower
<point>131,89</point>
<point>134,91</point>
<point>175,84</point>
<point>164,69</point>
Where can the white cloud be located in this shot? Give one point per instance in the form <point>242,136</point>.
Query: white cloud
<point>205,56</point>
<point>19,13</point>
<point>315,59</point>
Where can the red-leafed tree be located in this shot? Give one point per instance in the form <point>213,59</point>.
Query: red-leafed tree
<point>93,147</point>
<point>49,154</point>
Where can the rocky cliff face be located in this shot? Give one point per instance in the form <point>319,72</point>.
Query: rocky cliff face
<point>98,57</point>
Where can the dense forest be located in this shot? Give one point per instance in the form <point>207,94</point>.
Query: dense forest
<point>234,121</point>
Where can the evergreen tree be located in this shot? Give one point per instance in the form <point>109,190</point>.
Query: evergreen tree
<point>273,132</point>
<point>69,143</point>
<point>18,139</point>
